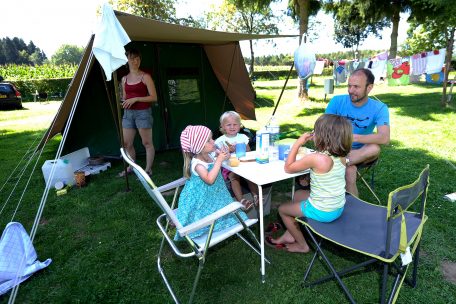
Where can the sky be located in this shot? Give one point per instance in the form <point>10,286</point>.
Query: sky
<point>52,23</point>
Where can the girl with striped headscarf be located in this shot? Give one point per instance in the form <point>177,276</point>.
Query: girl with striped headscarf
<point>205,190</point>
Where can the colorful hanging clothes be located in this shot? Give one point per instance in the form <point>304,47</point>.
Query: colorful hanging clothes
<point>435,61</point>
<point>435,78</point>
<point>340,72</point>
<point>378,68</point>
<point>398,72</point>
<point>418,64</point>
<point>382,56</point>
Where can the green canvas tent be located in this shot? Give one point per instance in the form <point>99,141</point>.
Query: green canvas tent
<point>198,75</point>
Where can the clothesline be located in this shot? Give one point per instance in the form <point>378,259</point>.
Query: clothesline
<point>397,70</point>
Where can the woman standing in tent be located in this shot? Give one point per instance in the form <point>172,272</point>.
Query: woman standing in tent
<point>138,90</point>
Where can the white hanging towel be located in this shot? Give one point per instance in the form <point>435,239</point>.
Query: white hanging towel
<point>434,61</point>
<point>319,65</point>
<point>18,259</point>
<point>110,38</point>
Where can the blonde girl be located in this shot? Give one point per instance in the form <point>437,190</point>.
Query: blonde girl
<point>333,139</point>
<point>230,125</point>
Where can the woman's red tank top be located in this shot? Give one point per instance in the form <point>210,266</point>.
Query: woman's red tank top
<point>137,90</point>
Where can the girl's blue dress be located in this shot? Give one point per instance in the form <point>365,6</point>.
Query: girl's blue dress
<point>199,199</point>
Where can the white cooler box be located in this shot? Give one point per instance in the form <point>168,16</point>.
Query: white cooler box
<point>66,165</point>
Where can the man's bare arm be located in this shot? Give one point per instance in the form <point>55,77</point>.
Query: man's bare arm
<point>382,137</point>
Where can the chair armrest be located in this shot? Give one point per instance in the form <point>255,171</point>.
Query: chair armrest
<point>208,220</point>
<point>172,185</point>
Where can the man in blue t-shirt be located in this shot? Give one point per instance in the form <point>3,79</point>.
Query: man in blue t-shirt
<point>365,114</point>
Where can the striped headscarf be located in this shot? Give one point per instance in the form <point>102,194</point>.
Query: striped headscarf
<point>193,138</point>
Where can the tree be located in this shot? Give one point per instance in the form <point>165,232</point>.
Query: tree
<point>252,17</point>
<point>349,29</point>
<point>301,10</point>
<point>443,14</point>
<point>67,54</point>
<point>422,37</point>
<point>162,10</point>
<point>375,13</point>
<point>15,51</point>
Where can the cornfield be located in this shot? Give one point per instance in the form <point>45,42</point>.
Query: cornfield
<point>12,72</point>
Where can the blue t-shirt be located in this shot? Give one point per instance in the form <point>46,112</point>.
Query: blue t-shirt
<point>364,119</point>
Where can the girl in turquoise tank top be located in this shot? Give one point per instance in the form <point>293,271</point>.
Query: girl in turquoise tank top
<point>333,139</point>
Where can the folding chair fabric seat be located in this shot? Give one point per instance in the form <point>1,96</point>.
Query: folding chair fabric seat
<point>362,227</point>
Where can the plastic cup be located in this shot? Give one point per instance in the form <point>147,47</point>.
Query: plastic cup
<point>240,149</point>
<point>282,149</point>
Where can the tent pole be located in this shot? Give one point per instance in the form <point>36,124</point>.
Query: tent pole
<point>283,88</point>
<point>119,124</point>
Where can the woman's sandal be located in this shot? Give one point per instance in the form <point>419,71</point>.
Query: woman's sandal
<point>246,203</point>
<point>273,227</point>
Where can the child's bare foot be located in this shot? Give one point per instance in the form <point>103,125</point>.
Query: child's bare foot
<point>297,248</point>
<point>285,238</point>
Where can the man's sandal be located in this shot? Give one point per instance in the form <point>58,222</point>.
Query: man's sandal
<point>246,203</point>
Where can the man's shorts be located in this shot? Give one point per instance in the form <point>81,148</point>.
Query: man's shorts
<point>137,119</point>
<point>309,211</point>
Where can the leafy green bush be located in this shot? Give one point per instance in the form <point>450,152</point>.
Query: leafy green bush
<point>53,87</point>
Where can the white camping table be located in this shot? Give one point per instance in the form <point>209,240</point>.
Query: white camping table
<point>262,174</point>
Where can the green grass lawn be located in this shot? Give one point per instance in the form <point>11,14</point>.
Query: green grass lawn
<point>103,240</point>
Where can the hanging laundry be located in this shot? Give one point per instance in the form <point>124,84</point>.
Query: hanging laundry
<point>398,75</point>
<point>435,78</point>
<point>434,62</point>
<point>340,72</point>
<point>319,65</point>
<point>108,45</point>
<point>395,62</point>
<point>359,65</point>
<point>378,68</point>
<point>418,64</point>
<point>382,56</point>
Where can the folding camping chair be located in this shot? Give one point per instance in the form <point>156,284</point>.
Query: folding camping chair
<point>380,233</point>
<point>197,247</point>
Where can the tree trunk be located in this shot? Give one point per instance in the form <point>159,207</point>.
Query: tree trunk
<point>395,18</point>
<point>449,52</point>
<point>304,8</point>
<point>252,58</point>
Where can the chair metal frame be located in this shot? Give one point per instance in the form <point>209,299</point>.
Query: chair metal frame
<point>364,169</point>
<point>399,202</point>
<point>197,247</point>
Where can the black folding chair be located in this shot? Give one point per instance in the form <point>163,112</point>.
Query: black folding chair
<point>366,169</point>
<point>380,233</point>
